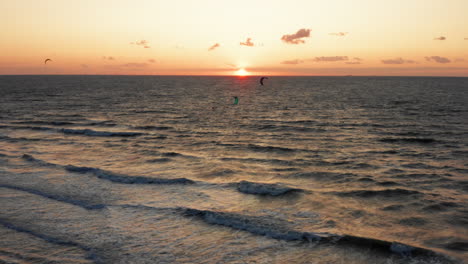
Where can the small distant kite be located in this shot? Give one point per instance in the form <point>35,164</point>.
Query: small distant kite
<point>261,80</point>
<point>45,62</point>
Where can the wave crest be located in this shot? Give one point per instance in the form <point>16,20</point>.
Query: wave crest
<point>264,188</point>
<point>124,178</point>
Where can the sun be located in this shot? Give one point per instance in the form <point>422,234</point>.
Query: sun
<point>241,72</point>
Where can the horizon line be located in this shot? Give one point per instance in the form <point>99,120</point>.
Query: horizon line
<point>239,76</point>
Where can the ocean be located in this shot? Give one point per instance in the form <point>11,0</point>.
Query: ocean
<point>167,169</point>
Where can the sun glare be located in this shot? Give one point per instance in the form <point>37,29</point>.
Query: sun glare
<point>241,72</point>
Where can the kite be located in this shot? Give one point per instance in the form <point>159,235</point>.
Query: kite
<point>261,80</point>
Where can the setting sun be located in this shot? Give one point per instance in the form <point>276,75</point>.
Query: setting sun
<point>241,72</point>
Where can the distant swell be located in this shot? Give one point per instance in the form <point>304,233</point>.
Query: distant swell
<point>55,197</point>
<point>387,193</point>
<point>20,139</point>
<point>161,160</point>
<point>264,188</point>
<point>27,127</point>
<point>126,179</point>
<point>269,148</point>
<point>86,132</point>
<point>256,160</point>
<point>100,123</point>
<point>89,132</point>
<point>52,123</point>
<point>323,176</point>
<point>408,140</point>
<point>285,128</point>
<point>153,127</point>
<point>171,154</point>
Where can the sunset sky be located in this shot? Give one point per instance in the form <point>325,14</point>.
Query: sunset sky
<point>215,37</point>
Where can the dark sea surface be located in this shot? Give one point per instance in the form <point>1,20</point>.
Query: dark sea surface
<point>166,169</point>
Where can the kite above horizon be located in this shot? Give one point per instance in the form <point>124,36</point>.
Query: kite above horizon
<point>261,80</point>
<point>46,60</point>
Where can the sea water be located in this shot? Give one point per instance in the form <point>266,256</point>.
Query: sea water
<point>167,169</point>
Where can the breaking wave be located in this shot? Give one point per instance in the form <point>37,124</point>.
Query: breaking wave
<point>260,226</point>
<point>37,161</point>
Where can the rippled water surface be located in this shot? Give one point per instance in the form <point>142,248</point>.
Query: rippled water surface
<point>133,169</point>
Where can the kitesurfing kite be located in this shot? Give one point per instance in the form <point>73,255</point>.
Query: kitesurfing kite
<point>45,62</point>
<point>261,80</point>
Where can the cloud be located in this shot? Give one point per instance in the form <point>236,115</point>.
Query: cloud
<point>248,43</point>
<point>84,66</point>
<point>440,38</point>
<point>108,58</point>
<point>152,60</point>
<point>398,61</point>
<point>297,37</point>
<point>330,59</point>
<point>142,42</point>
<point>466,38</point>
<point>355,60</point>
<point>384,70</point>
<point>292,62</point>
<point>459,60</point>
<point>214,47</point>
<point>339,34</point>
<point>135,65</point>
<point>438,59</point>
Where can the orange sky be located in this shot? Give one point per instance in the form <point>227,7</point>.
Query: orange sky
<point>213,37</point>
